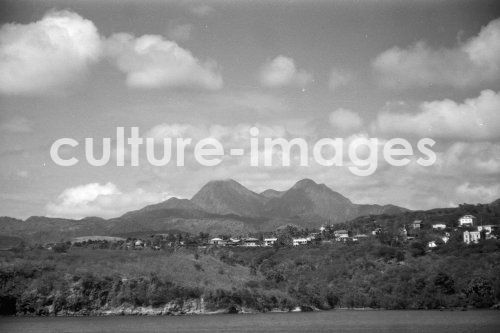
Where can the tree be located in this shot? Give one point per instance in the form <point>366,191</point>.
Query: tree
<point>479,292</point>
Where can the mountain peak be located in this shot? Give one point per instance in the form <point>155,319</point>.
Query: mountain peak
<point>304,183</point>
<point>229,197</point>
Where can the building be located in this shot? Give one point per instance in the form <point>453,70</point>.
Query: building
<point>439,226</point>
<point>359,237</point>
<point>339,233</point>
<point>467,221</point>
<point>300,241</point>
<point>417,224</point>
<point>217,241</point>
<point>431,244</point>
<point>270,241</point>
<point>488,229</point>
<point>471,236</point>
<point>234,242</point>
<point>250,242</point>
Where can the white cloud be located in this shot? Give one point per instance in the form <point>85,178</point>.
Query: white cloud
<point>16,125</point>
<point>150,61</point>
<point>474,119</point>
<point>470,63</point>
<point>338,78</point>
<point>95,199</point>
<point>47,55</point>
<point>477,193</point>
<point>181,32</point>
<point>281,72</point>
<point>346,120</point>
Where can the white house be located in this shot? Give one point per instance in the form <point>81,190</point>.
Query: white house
<point>471,236</point>
<point>439,226</point>
<point>417,224</point>
<point>432,244</point>
<point>359,237</point>
<point>300,241</point>
<point>466,221</point>
<point>270,241</point>
<point>251,242</point>
<point>341,235</point>
<point>217,241</point>
<point>488,229</point>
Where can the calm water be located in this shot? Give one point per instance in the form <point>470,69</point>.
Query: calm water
<point>329,321</point>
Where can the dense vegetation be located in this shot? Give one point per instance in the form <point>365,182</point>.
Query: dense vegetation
<point>365,274</point>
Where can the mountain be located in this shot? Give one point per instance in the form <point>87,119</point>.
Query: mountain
<point>173,203</point>
<point>309,200</point>
<point>229,197</point>
<point>269,194</point>
<point>220,207</point>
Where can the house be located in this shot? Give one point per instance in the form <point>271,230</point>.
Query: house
<point>466,221</point>
<point>417,224</point>
<point>139,243</point>
<point>377,231</point>
<point>431,244</point>
<point>270,241</point>
<point>322,229</point>
<point>250,242</point>
<point>234,242</point>
<point>471,236</point>
<point>217,241</point>
<point>300,241</point>
<point>341,235</point>
<point>439,226</point>
<point>488,229</point>
<point>359,237</point>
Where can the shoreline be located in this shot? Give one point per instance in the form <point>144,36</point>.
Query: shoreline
<point>160,312</point>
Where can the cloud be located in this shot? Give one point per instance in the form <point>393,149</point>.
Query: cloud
<point>479,158</point>
<point>181,32</point>
<point>474,119</point>
<point>16,125</point>
<point>345,120</point>
<point>150,61</point>
<point>95,199</point>
<point>470,63</point>
<point>47,55</point>
<point>477,193</point>
<point>338,78</point>
<point>281,72</point>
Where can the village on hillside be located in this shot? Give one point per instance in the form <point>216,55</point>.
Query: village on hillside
<point>432,234</point>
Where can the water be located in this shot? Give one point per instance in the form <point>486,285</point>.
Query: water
<point>328,321</point>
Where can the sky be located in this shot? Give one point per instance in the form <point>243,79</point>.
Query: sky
<point>310,69</point>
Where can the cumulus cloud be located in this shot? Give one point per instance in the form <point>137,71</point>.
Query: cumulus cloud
<point>338,78</point>
<point>345,120</point>
<point>47,55</point>
<point>474,119</point>
<point>475,61</point>
<point>477,193</point>
<point>281,72</point>
<point>95,199</point>
<point>150,61</point>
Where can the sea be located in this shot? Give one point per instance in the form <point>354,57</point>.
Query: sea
<point>324,321</point>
